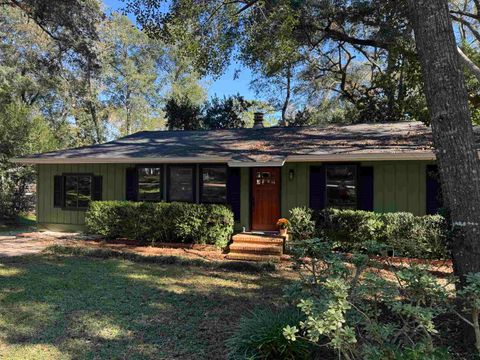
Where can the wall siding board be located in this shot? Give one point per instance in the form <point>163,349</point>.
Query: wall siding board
<point>398,186</point>
<point>389,186</point>
<point>113,189</point>
<point>401,193</point>
<point>413,188</point>
<point>295,192</point>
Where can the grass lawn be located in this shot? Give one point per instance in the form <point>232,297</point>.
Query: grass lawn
<point>67,307</point>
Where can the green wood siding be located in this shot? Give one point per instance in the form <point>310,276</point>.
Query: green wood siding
<point>56,218</point>
<point>398,186</point>
<point>296,191</point>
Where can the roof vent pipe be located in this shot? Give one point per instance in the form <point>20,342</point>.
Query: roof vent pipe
<point>258,120</point>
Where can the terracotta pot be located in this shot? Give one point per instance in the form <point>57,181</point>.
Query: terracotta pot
<point>283,232</point>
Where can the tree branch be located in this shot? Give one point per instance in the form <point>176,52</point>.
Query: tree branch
<point>469,63</point>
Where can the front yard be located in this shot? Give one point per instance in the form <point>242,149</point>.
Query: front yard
<point>64,307</point>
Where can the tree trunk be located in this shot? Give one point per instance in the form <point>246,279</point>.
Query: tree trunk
<point>452,129</point>
<point>287,97</point>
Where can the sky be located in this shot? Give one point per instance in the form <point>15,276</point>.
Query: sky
<point>227,84</point>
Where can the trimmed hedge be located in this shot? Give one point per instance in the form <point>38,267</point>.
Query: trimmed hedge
<point>402,233</point>
<point>151,223</point>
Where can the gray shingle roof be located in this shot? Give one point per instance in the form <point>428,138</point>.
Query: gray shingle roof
<point>274,144</point>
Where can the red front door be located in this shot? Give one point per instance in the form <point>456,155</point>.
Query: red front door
<point>265,198</point>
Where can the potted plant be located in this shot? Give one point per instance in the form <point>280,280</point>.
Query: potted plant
<point>283,224</point>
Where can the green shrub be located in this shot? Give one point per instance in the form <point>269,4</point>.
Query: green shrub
<point>361,314</point>
<point>302,224</point>
<point>353,227</point>
<point>150,223</point>
<point>260,336</point>
<point>402,233</point>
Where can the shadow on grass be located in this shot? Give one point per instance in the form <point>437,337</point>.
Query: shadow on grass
<point>91,308</point>
<point>23,223</point>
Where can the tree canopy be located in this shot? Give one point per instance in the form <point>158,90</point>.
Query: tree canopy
<point>359,55</point>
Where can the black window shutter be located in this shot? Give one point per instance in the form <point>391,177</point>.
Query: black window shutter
<point>233,191</point>
<point>97,188</point>
<point>365,188</point>
<point>433,188</point>
<point>317,187</point>
<point>131,184</point>
<point>58,191</point>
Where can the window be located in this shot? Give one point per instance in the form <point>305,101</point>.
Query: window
<point>214,184</point>
<point>265,178</point>
<point>149,184</point>
<point>181,183</point>
<point>341,182</point>
<point>77,191</point>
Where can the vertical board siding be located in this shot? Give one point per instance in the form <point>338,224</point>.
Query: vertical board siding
<point>398,186</point>
<point>295,192</point>
<point>113,188</point>
<point>317,187</point>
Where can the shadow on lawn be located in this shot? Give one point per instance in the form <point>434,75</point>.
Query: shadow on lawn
<point>88,308</point>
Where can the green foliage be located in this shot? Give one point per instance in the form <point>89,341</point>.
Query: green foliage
<point>71,23</point>
<point>355,60</point>
<point>403,233</point>
<point>150,223</point>
<point>470,294</point>
<point>226,113</point>
<point>302,225</point>
<point>358,314</point>
<point>130,75</point>
<point>21,132</point>
<point>421,352</point>
<point>260,336</point>
<point>182,114</point>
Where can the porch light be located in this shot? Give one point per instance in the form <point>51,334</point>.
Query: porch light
<point>291,174</point>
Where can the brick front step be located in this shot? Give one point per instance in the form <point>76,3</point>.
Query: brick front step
<point>256,247</point>
<point>253,257</point>
<point>260,249</point>
<point>256,239</point>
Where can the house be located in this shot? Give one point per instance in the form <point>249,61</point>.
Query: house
<point>261,173</point>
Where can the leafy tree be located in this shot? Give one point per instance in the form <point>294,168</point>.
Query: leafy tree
<point>345,47</point>
<point>183,115</point>
<point>130,76</point>
<point>226,113</point>
<point>21,132</point>
<point>70,23</point>
<point>182,79</point>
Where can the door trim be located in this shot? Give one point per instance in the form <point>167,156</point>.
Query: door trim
<point>250,191</point>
